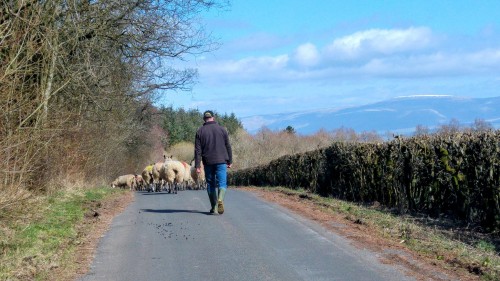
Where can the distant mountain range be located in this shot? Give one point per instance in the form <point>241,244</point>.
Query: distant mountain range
<point>398,115</point>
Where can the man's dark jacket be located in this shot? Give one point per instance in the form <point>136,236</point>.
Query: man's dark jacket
<point>212,144</point>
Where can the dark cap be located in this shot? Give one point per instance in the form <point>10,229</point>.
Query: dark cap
<point>208,114</point>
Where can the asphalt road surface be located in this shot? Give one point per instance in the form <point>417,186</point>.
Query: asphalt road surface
<point>164,236</point>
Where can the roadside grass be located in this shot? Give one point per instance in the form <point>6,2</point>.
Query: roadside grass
<point>445,242</point>
<point>40,234</point>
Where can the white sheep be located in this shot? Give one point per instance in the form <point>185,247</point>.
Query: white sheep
<point>140,183</point>
<point>147,176</point>
<point>157,180</point>
<point>188,180</point>
<point>198,178</point>
<point>172,172</point>
<point>125,181</point>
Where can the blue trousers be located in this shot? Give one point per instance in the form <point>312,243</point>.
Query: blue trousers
<point>216,176</point>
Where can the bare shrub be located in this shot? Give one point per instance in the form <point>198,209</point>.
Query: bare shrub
<point>451,128</point>
<point>480,125</point>
<point>421,130</point>
<point>267,145</point>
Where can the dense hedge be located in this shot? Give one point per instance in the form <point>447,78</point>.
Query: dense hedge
<point>455,174</point>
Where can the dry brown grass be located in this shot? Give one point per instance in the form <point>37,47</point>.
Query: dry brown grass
<point>183,151</point>
<point>12,195</point>
<point>265,146</point>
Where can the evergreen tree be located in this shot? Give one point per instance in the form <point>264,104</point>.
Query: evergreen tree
<point>231,123</point>
<point>181,125</point>
<point>289,129</point>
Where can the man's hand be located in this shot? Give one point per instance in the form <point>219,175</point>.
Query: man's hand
<point>229,166</point>
<point>198,170</point>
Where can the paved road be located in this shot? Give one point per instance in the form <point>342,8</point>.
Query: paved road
<point>164,236</point>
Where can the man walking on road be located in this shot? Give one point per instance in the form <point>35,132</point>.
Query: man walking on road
<point>213,148</point>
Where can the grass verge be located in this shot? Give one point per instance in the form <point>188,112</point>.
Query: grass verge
<point>39,236</point>
<point>443,242</point>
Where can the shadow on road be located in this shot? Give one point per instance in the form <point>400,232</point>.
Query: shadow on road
<point>171,211</point>
<point>157,193</point>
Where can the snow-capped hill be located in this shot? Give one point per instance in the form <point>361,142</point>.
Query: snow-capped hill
<point>398,115</point>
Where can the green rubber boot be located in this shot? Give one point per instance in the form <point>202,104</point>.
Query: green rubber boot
<point>220,201</point>
<point>213,201</point>
<point>216,206</point>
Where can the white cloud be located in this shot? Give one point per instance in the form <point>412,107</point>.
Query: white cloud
<point>434,64</point>
<point>253,123</point>
<point>380,41</point>
<point>245,68</point>
<point>307,55</point>
<point>489,57</point>
<point>374,53</point>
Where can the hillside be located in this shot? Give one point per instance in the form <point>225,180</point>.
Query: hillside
<point>399,115</point>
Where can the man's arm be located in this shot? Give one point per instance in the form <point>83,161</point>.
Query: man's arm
<point>197,152</point>
<point>228,149</point>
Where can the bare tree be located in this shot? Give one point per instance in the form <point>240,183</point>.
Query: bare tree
<point>370,136</point>
<point>73,74</point>
<point>451,128</point>
<point>421,130</point>
<point>480,125</point>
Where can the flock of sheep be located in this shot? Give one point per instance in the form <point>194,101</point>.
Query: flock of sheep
<point>170,176</point>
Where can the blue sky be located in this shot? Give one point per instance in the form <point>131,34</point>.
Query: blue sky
<point>288,56</point>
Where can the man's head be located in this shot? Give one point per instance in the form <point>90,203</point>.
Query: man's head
<point>208,115</point>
